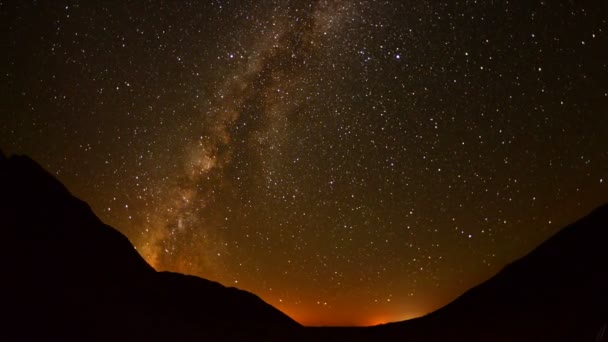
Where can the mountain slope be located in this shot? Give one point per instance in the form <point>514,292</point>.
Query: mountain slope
<point>68,276</point>
<point>558,292</point>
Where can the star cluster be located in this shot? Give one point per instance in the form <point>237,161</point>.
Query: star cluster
<point>351,162</point>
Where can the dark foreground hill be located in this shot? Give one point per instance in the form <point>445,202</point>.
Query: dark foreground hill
<point>66,276</point>
<point>558,293</point>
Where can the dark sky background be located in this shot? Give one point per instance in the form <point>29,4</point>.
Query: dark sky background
<point>351,162</point>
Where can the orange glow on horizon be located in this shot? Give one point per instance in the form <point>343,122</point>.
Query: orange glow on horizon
<point>311,318</point>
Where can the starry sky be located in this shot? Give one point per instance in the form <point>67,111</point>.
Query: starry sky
<point>350,162</point>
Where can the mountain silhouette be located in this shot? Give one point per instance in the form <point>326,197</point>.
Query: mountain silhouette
<point>558,292</point>
<point>70,277</point>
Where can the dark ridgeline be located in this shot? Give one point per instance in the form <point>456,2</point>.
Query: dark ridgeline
<point>557,293</point>
<point>68,277</point>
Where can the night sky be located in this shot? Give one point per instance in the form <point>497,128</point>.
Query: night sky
<point>350,162</point>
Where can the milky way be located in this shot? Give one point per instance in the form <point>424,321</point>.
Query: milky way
<point>350,162</point>
<point>263,91</point>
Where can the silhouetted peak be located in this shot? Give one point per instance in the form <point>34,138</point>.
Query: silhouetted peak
<point>39,211</point>
<point>70,274</point>
<point>27,178</point>
<point>71,277</point>
<point>558,292</point>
